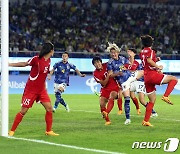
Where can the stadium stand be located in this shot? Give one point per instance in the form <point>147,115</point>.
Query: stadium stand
<point>84,27</point>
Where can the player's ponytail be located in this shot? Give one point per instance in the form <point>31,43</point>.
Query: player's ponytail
<point>47,47</point>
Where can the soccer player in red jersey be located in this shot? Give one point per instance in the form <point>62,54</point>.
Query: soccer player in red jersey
<point>153,76</point>
<point>137,86</point>
<point>110,87</point>
<point>35,89</point>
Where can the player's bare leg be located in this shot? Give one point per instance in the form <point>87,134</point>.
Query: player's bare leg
<point>140,74</point>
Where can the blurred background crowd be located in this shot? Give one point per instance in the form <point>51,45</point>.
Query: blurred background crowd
<point>85,26</point>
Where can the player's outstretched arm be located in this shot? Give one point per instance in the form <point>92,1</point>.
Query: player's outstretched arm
<point>19,64</point>
<point>80,74</point>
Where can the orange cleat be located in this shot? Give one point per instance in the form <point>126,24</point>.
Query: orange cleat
<point>144,123</point>
<point>167,100</point>
<point>120,112</point>
<point>11,133</point>
<point>51,133</point>
<point>107,123</point>
<point>105,114</point>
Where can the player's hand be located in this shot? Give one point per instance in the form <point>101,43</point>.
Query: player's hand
<point>49,76</point>
<point>83,75</point>
<point>160,67</point>
<point>110,74</point>
<point>120,73</point>
<point>158,58</point>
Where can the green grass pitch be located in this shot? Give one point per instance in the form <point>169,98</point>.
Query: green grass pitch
<point>84,127</point>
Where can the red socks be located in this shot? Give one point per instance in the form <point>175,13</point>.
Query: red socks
<point>135,101</point>
<point>170,87</point>
<point>149,108</point>
<point>110,105</point>
<point>49,120</point>
<point>119,103</point>
<point>17,120</point>
<point>19,116</point>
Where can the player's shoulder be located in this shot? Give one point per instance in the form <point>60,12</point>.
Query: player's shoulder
<point>71,64</point>
<point>104,64</point>
<point>147,50</point>
<point>110,61</point>
<point>33,59</point>
<point>122,57</point>
<point>58,63</point>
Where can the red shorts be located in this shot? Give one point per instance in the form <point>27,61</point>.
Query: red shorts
<point>151,79</point>
<point>28,98</point>
<point>106,92</point>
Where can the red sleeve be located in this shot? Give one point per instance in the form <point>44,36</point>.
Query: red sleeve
<point>32,61</point>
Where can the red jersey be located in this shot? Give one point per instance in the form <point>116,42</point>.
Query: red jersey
<point>148,53</point>
<point>102,74</point>
<point>132,67</point>
<point>38,74</point>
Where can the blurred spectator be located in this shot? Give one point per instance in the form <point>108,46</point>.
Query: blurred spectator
<point>83,27</point>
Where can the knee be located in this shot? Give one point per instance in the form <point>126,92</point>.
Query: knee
<point>175,78</point>
<point>49,109</point>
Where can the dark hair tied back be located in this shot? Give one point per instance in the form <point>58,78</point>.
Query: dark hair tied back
<point>46,48</point>
<point>147,40</point>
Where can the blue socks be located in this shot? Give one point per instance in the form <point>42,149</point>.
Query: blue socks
<point>59,100</point>
<point>127,107</point>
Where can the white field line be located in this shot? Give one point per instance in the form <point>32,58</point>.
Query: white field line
<point>167,119</point>
<point>64,145</point>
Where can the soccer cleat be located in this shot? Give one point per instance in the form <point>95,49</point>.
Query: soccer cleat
<point>54,110</point>
<point>154,115</point>
<point>144,123</point>
<point>105,114</point>
<point>120,112</point>
<point>107,123</point>
<point>67,108</point>
<point>51,133</point>
<point>127,122</point>
<point>167,100</point>
<point>138,111</point>
<point>11,133</point>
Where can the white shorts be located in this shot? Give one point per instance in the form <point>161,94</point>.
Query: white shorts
<point>59,87</point>
<point>126,85</point>
<point>138,86</point>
